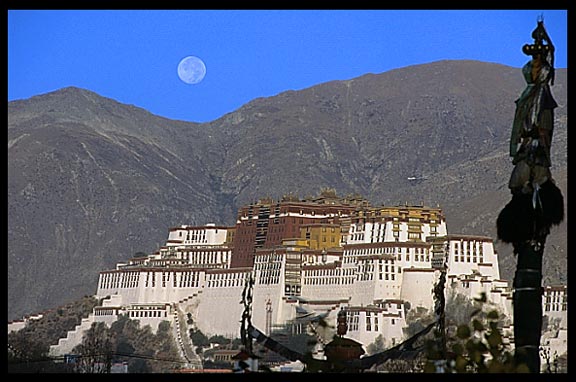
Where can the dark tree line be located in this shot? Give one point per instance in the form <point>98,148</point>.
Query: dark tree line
<point>125,341</point>
<point>28,348</point>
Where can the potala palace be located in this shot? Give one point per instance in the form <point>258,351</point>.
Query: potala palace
<point>308,258</point>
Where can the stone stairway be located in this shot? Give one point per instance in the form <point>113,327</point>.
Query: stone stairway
<point>183,341</point>
<point>184,300</point>
<point>73,338</point>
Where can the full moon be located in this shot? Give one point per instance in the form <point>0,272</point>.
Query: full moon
<point>191,70</point>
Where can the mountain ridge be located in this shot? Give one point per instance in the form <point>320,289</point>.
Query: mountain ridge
<point>111,179</point>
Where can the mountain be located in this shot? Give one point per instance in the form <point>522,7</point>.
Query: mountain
<point>92,181</point>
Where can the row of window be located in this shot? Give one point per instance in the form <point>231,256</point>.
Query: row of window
<point>209,257</point>
<point>271,263</point>
<point>372,322</point>
<point>146,313</point>
<point>385,250</point>
<point>463,247</point>
<point>468,259</point>
<point>105,312</point>
<point>418,257</point>
<point>119,280</point>
<point>556,297</point>
<point>225,276</point>
<point>292,290</point>
<point>324,240</point>
<point>378,229</point>
<point>188,280</point>
<point>109,280</point>
<point>369,322</point>
<point>357,237</point>
<point>555,307</point>
<point>225,283</point>
<point>196,235</point>
<point>329,280</point>
<point>185,279</point>
<point>268,277</point>
<point>330,272</point>
<point>353,320</point>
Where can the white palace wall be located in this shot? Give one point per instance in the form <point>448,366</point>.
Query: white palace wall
<point>327,282</point>
<point>417,287</point>
<point>218,309</point>
<point>160,285</point>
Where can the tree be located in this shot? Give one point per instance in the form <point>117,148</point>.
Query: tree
<point>126,341</point>
<point>416,320</point>
<point>198,338</point>
<point>95,351</point>
<point>476,345</point>
<point>219,339</point>
<point>376,346</point>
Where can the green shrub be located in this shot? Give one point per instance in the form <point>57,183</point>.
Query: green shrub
<point>474,347</point>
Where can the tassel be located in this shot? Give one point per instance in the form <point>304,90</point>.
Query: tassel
<point>527,215</point>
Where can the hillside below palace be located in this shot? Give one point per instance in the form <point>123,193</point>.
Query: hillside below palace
<point>308,258</point>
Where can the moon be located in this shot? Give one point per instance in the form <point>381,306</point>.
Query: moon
<point>191,70</point>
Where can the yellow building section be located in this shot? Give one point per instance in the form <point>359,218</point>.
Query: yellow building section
<point>296,243</point>
<point>414,216</point>
<point>230,236</point>
<point>322,236</point>
<point>423,214</point>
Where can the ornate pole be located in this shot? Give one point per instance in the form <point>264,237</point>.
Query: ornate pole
<point>246,322</point>
<point>537,203</point>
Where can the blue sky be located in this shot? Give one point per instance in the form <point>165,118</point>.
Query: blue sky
<point>132,55</point>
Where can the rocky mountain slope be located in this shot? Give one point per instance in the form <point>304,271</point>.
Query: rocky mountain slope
<point>92,181</point>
